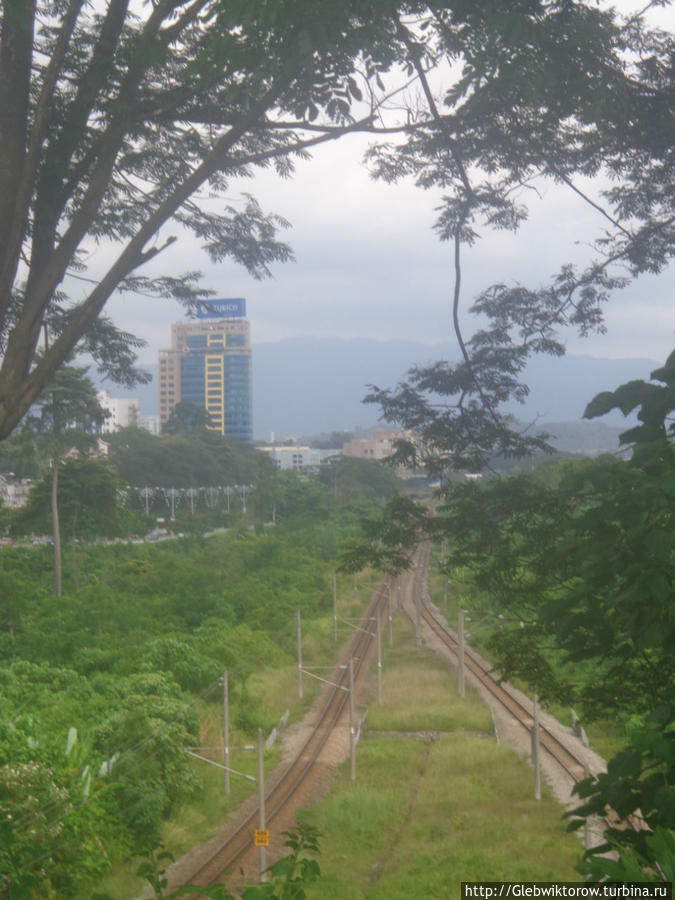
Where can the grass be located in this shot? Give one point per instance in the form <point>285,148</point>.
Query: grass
<point>442,708</point>
<point>423,817</point>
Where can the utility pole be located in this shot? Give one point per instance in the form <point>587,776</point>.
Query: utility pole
<point>390,618</point>
<point>445,579</point>
<point>226,732</point>
<point>418,634</point>
<point>335,607</point>
<point>587,822</point>
<point>398,592</point>
<point>261,807</point>
<point>299,657</point>
<point>535,748</point>
<point>355,585</point>
<point>352,733</point>
<point>378,637</point>
<point>460,666</point>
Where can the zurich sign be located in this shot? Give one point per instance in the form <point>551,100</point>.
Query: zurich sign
<point>227,308</point>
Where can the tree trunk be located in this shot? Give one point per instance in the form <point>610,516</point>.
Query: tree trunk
<point>56,530</point>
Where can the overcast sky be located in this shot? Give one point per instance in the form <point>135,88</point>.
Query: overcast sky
<point>369,265</point>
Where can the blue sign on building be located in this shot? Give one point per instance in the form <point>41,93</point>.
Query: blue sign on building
<point>227,308</point>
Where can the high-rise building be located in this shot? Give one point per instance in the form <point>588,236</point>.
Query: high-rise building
<point>122,412</point>
<point>209,364</point>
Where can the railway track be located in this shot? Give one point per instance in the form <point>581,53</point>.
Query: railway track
<point>565,757</point>
<point>282,793</point>
<point>571,764</point>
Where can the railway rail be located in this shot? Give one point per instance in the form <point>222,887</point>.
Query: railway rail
<point>281,793</point>
<point>565,757</point>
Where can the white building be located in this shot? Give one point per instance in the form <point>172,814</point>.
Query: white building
<point>14,493</point>
<point>293,457</point>
<point>149,423</point>
<point>122,412</point>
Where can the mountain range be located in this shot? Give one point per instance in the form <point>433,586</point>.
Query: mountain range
<point>309,385</point>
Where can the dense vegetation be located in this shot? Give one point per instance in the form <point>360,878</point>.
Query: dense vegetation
<point>573,566</point>
<point>98,688</point>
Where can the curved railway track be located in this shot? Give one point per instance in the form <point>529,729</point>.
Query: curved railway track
<point>566,759</point>
<point>285,789</point>
<point>280,794</point>
<point>571,764</point>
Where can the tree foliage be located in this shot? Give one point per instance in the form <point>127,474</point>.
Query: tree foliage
<point>548,93</point>
<point>112,119</point>
<point>578,578</point>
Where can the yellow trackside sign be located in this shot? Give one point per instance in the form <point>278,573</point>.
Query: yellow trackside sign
<point>261,837</point>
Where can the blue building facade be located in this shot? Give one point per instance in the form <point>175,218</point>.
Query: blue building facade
<point>209,365</point>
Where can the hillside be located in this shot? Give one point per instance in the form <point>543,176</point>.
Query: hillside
<point>308,385</point>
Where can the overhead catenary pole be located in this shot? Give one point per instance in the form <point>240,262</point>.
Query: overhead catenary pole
<point>261,808</point>
<point>390,618</point>
<point>299,656</point>
<point>418,634</point>
<point>352,733</point>
<point>378,638</point>
<point>226,731</point>
<point>587,822</point>
<point>445,579</point>
<point>535,747</point>
<point>335,607</point>
<point>460,661</point>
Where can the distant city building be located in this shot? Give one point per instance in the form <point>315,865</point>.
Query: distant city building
<point>149,423</point>
<point>209,364</point>
<point>378,445</point>
<point>122,412</point>
<point>14,492</point>
<point>99,450</point>
<point>297,458</point>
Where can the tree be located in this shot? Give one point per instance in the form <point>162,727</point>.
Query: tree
<point>110,122</point>
<point>186,418</point>
<point>358,480</point>
<point>87,505</point>
<point>63,418</point>
<point>579,579</point>
<point>560,93</point>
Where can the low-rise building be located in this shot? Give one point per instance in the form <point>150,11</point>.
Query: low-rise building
<point>378,445</point>
<point>293,457</point>
<point>14,492</point>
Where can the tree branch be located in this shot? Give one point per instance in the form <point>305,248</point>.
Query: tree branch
<point>16,50</point>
